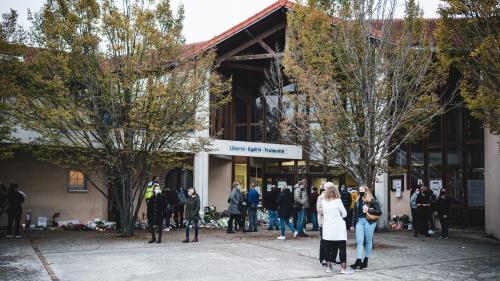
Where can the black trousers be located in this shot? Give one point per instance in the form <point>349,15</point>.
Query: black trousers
<point>239,221</point>
<point>332,248</point>
<point>445,223</point>
<point>13,219</point>
<point>414,220</point>
<point>422,221</point>
<point>295,216</point>
<point>322,255</point>
<point>152,230</point>
<point>179,214</point>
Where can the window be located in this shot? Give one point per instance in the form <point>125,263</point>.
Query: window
<point>77,182</point>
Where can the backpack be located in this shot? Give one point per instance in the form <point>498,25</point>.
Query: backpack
<point>181,198</point>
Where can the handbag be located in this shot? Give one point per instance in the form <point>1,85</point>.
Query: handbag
<point>373,215</point>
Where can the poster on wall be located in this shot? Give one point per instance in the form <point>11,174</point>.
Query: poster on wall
<point>269,187</point>
<point>397,185</point>
<point>435,186</point>
<point>281,184</point>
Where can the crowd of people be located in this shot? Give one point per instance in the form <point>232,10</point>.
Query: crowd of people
<point>162,204</point>
<point>426,207</point>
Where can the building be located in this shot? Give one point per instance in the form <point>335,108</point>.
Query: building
<point>458,154</point>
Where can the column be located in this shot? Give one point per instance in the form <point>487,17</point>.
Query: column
<point>382,194</point>
<point>201,178</point>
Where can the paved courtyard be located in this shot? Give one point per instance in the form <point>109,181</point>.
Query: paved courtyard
<point>55,255</point>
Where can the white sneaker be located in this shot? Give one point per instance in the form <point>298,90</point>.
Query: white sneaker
<point>295,234</point>
<point>348,270</point>
<point>281,238</point>
<point>18,236</point>
<point>331,270</point>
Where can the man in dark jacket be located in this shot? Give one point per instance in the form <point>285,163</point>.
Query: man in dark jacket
<point>443,210</point>
<point>422,211</point>
<point>346,198</point>
<point>272,207</point>
<point>156,212</point>
<point>285,205</point>
<point>253,199</point>
<point>171,202</point>
<point>313,212</point>
<point>192,214</point>
<point>179,208</point>
<point>14,212</point>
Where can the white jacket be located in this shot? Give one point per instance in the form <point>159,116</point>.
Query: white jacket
<point>334,228</point>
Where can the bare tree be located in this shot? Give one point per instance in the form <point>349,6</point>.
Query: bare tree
<point>363,82</point>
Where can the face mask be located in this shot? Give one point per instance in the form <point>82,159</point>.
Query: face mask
<point>238,187</point>
<point>361,194</point>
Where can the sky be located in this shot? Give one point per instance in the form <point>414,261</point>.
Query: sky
<point>204,18</point>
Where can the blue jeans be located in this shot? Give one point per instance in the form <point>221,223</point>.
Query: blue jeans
<point>284,221</point>
<point>273,219</point>
<point>364,232</point>
<point>314,220</point>
<point>300,220</point>
<point>252,219</point>
<point>195,224</point>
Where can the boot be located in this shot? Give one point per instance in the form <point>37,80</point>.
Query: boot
<point>151,241</point>
<point>159,236</point>
<point>364,264</point>
<point>195,239</point>
<point>185,240</point>
<point>357,264</point>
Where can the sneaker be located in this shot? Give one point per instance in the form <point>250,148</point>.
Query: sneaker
<point>9,236</point>
<point>431,232</point>
<point>295,234</point>
<point>348,270</point>
<point>281,238</point>
<point>331,270</point>
<point>324,263</point>
<point>444,238</point>
<point>18,236</point>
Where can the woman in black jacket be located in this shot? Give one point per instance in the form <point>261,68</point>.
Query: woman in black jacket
<point>192,214</point>
<point>156,213</point>
<point>443,210</point>
<point>15,210</point>
<point>285,205</point>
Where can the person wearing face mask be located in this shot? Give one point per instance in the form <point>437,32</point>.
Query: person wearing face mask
<point>364,227</point>
<point>192,214</point>
<point>443,210</point>
<point>422,211</point>
<point>235,201</point>
<point>156,213</point>
<point>413,206</point>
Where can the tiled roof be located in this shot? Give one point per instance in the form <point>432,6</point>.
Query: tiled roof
<point>201,46</point>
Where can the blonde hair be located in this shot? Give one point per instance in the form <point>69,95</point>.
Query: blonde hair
<point>368,197</point>
<point>331,191</point>
<point>235,183</point>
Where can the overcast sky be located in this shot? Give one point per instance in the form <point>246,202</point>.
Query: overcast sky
<point>203,18</point>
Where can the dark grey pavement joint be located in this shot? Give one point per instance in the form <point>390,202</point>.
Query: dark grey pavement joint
<point>253,256</point>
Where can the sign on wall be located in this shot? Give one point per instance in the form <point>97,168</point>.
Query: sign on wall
<point>397,185</point>
<point>256,149</point>
<point>435,186</point>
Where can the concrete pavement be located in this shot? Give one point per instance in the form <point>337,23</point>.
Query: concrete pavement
<point>252,256</point>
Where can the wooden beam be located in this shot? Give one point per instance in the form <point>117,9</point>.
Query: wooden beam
<point>253,41</point>
<point>244,67</point>
<point>253,57</point>
<point>261,43</point>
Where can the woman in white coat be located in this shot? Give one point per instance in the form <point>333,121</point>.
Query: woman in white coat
<point>334,228</point>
